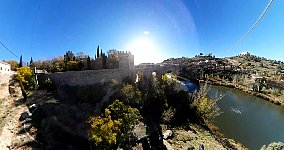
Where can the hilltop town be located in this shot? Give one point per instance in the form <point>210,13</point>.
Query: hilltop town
<point>256,75</point>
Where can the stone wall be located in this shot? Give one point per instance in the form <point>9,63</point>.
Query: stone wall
<point>160,70</point>
<point>89,77</point>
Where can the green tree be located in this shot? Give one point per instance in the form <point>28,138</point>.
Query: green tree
<point>113,127</point>
<point>72,66</point>
<point>104,130</point>
<point>128,115</point>
<point>21,62</point>
<point>31,61</point>
<point>25,75</point>
<point>25,78</point>
<point>154,104</point>
<point>98,51</point>
<point>206,108</point>
<point>130,94</point>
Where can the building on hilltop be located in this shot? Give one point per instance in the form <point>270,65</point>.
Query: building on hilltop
<point>5,67</point>
<point>113,60</point>
<point>69,56</point>
<point>126,60</point>
<point>244,54</point>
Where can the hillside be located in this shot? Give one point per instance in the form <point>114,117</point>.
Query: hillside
<point>256,75</point>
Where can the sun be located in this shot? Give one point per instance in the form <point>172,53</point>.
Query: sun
<point>144,50</point>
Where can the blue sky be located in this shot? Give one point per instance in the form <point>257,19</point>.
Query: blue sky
<point>152,29</point>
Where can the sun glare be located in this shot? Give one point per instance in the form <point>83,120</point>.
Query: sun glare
<point>144,50</point>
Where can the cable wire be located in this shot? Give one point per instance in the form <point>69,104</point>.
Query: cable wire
<point>9,50</point>
<point>254,25</point>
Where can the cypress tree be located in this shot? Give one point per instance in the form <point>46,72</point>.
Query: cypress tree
<point>98,51</point>
<point>21,62</point>
<point>101,53</point>
<point>31,61</point>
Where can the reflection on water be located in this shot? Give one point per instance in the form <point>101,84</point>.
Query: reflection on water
<point>249,120</point>
<point>191,86</point>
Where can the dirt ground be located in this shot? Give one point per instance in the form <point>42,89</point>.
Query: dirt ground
<point>10,114</point>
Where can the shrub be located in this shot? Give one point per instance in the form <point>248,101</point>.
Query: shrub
<point>104,130</point>
<point>168,115</point>
<point>25,76</point>
<point>206,108</point>
<point>130,94</point>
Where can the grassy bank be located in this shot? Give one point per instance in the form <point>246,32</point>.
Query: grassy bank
<point>197,135</point>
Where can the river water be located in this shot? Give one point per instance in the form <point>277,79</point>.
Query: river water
<point>247,119</point>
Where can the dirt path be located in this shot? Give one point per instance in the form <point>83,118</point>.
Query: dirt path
<point>9,114</point>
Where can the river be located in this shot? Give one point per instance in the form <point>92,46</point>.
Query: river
<point>247,119</point>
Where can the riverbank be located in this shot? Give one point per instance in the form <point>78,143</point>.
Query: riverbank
<point>267,97</point>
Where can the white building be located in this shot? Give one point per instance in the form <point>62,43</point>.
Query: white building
<point>244,54</point>
<point>5,67</point>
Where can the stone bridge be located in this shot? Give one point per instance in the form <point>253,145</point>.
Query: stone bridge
<point>91,77</point>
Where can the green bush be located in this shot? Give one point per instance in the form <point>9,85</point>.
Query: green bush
<point>130,94</point>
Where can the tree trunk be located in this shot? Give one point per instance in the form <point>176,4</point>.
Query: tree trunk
<point>155,136</point>
<point>24,93</point>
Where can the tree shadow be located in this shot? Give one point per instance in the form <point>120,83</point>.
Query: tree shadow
<point>59,123</point>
